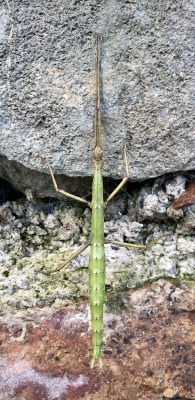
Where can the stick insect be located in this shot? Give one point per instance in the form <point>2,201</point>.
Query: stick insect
<point>97,242</point>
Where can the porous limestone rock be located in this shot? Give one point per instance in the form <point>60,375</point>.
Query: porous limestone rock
<point>38,237</point>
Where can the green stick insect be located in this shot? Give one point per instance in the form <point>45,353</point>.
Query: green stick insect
<point>97,242</point>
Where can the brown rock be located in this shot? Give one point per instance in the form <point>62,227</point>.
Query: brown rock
<point>147,353</point>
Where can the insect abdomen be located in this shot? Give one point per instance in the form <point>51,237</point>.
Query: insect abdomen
<point>97,263</point>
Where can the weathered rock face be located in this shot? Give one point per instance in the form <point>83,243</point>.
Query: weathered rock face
<point>148,349</point>
<point>39,237</point>
<point>48,85</point>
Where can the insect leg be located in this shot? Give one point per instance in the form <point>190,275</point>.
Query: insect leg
<point>122,183</point>
<point>138,246</point>
<point>79,251</point>
<point>66,194</point>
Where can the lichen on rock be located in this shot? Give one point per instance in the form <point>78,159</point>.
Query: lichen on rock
<point>37,237</point>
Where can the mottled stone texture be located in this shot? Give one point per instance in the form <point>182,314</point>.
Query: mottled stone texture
<point>147,353</point>
<point>47,83</point>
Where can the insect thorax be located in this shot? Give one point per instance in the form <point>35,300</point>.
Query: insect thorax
<point>97,153</point>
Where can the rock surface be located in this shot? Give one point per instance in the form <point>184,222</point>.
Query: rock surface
<point>44,320</point>
<point>148,349</point>
<point>48,85</point>
<point>38,237</point>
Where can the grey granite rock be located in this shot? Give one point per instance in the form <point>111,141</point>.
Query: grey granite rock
<point>47,64</point>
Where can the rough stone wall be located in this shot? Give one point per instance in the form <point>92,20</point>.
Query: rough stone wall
<point>40,237</point>
<point>47,61</point>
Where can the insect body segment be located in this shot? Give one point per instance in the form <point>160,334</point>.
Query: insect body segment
<point>97,263</point>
